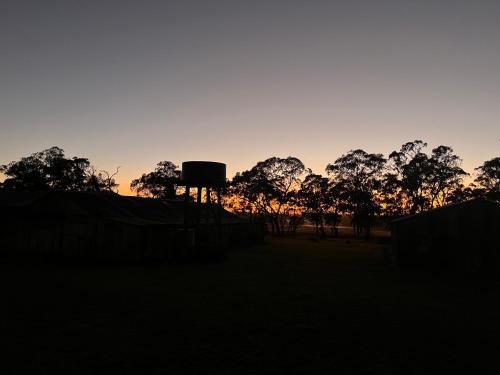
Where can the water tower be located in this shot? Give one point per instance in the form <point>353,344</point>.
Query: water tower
<point>207,175</point>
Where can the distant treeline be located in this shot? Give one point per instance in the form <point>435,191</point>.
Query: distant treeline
<point>51,170</point>
<point>283,192</point>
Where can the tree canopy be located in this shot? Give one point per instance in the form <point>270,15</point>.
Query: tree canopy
<point>488,178</point>
<point>415,182</point>
<point>161,183</point>
<point>315,199</point>
<point>270,188</point>
<point>51,170</point>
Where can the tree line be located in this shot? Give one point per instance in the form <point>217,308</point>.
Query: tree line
<point>283,192</point>
<point>51,170</point>
<point>360,185</point>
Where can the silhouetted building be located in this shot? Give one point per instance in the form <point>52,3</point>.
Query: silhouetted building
<point>111,226</point>
<point>462,236</point>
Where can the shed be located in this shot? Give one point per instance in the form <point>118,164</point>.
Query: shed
<point>109,226</point>
<point>463,236</point>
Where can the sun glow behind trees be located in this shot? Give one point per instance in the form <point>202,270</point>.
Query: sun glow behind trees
<point>282,191</point>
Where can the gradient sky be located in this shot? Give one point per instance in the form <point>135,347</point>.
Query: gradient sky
<point>130,83</point>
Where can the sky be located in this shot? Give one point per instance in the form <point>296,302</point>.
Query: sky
<point>131,83</point>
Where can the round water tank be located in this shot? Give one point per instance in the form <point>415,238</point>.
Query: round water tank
<point>203,173</point>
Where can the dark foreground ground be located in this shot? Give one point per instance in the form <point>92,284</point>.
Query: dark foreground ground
<point>290,306</point>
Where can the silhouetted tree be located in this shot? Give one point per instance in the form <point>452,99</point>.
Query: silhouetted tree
<point>464,193</point>
<point>243,196</point>
<point>416,182</point>
<point>314,198</point>
<point>101,180</point>
<point>51,170</point>
<point>405,184</point>
<point>488,179</point>
<point>161,183</point>
<point>269,188</point>
<point>445,176</point>
<point>391,197</point>
<point>359,174</point>
<point>336,205</point>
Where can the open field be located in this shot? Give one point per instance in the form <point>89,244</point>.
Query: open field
<point>294,305</point>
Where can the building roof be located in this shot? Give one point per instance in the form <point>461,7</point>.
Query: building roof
<point>467,205</point>
<point>132,210</point>
<point>19,198</point>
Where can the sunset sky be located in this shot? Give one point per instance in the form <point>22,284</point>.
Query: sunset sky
<point>130,83</point>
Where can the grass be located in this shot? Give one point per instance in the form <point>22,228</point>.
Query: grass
<point>293,305</point>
